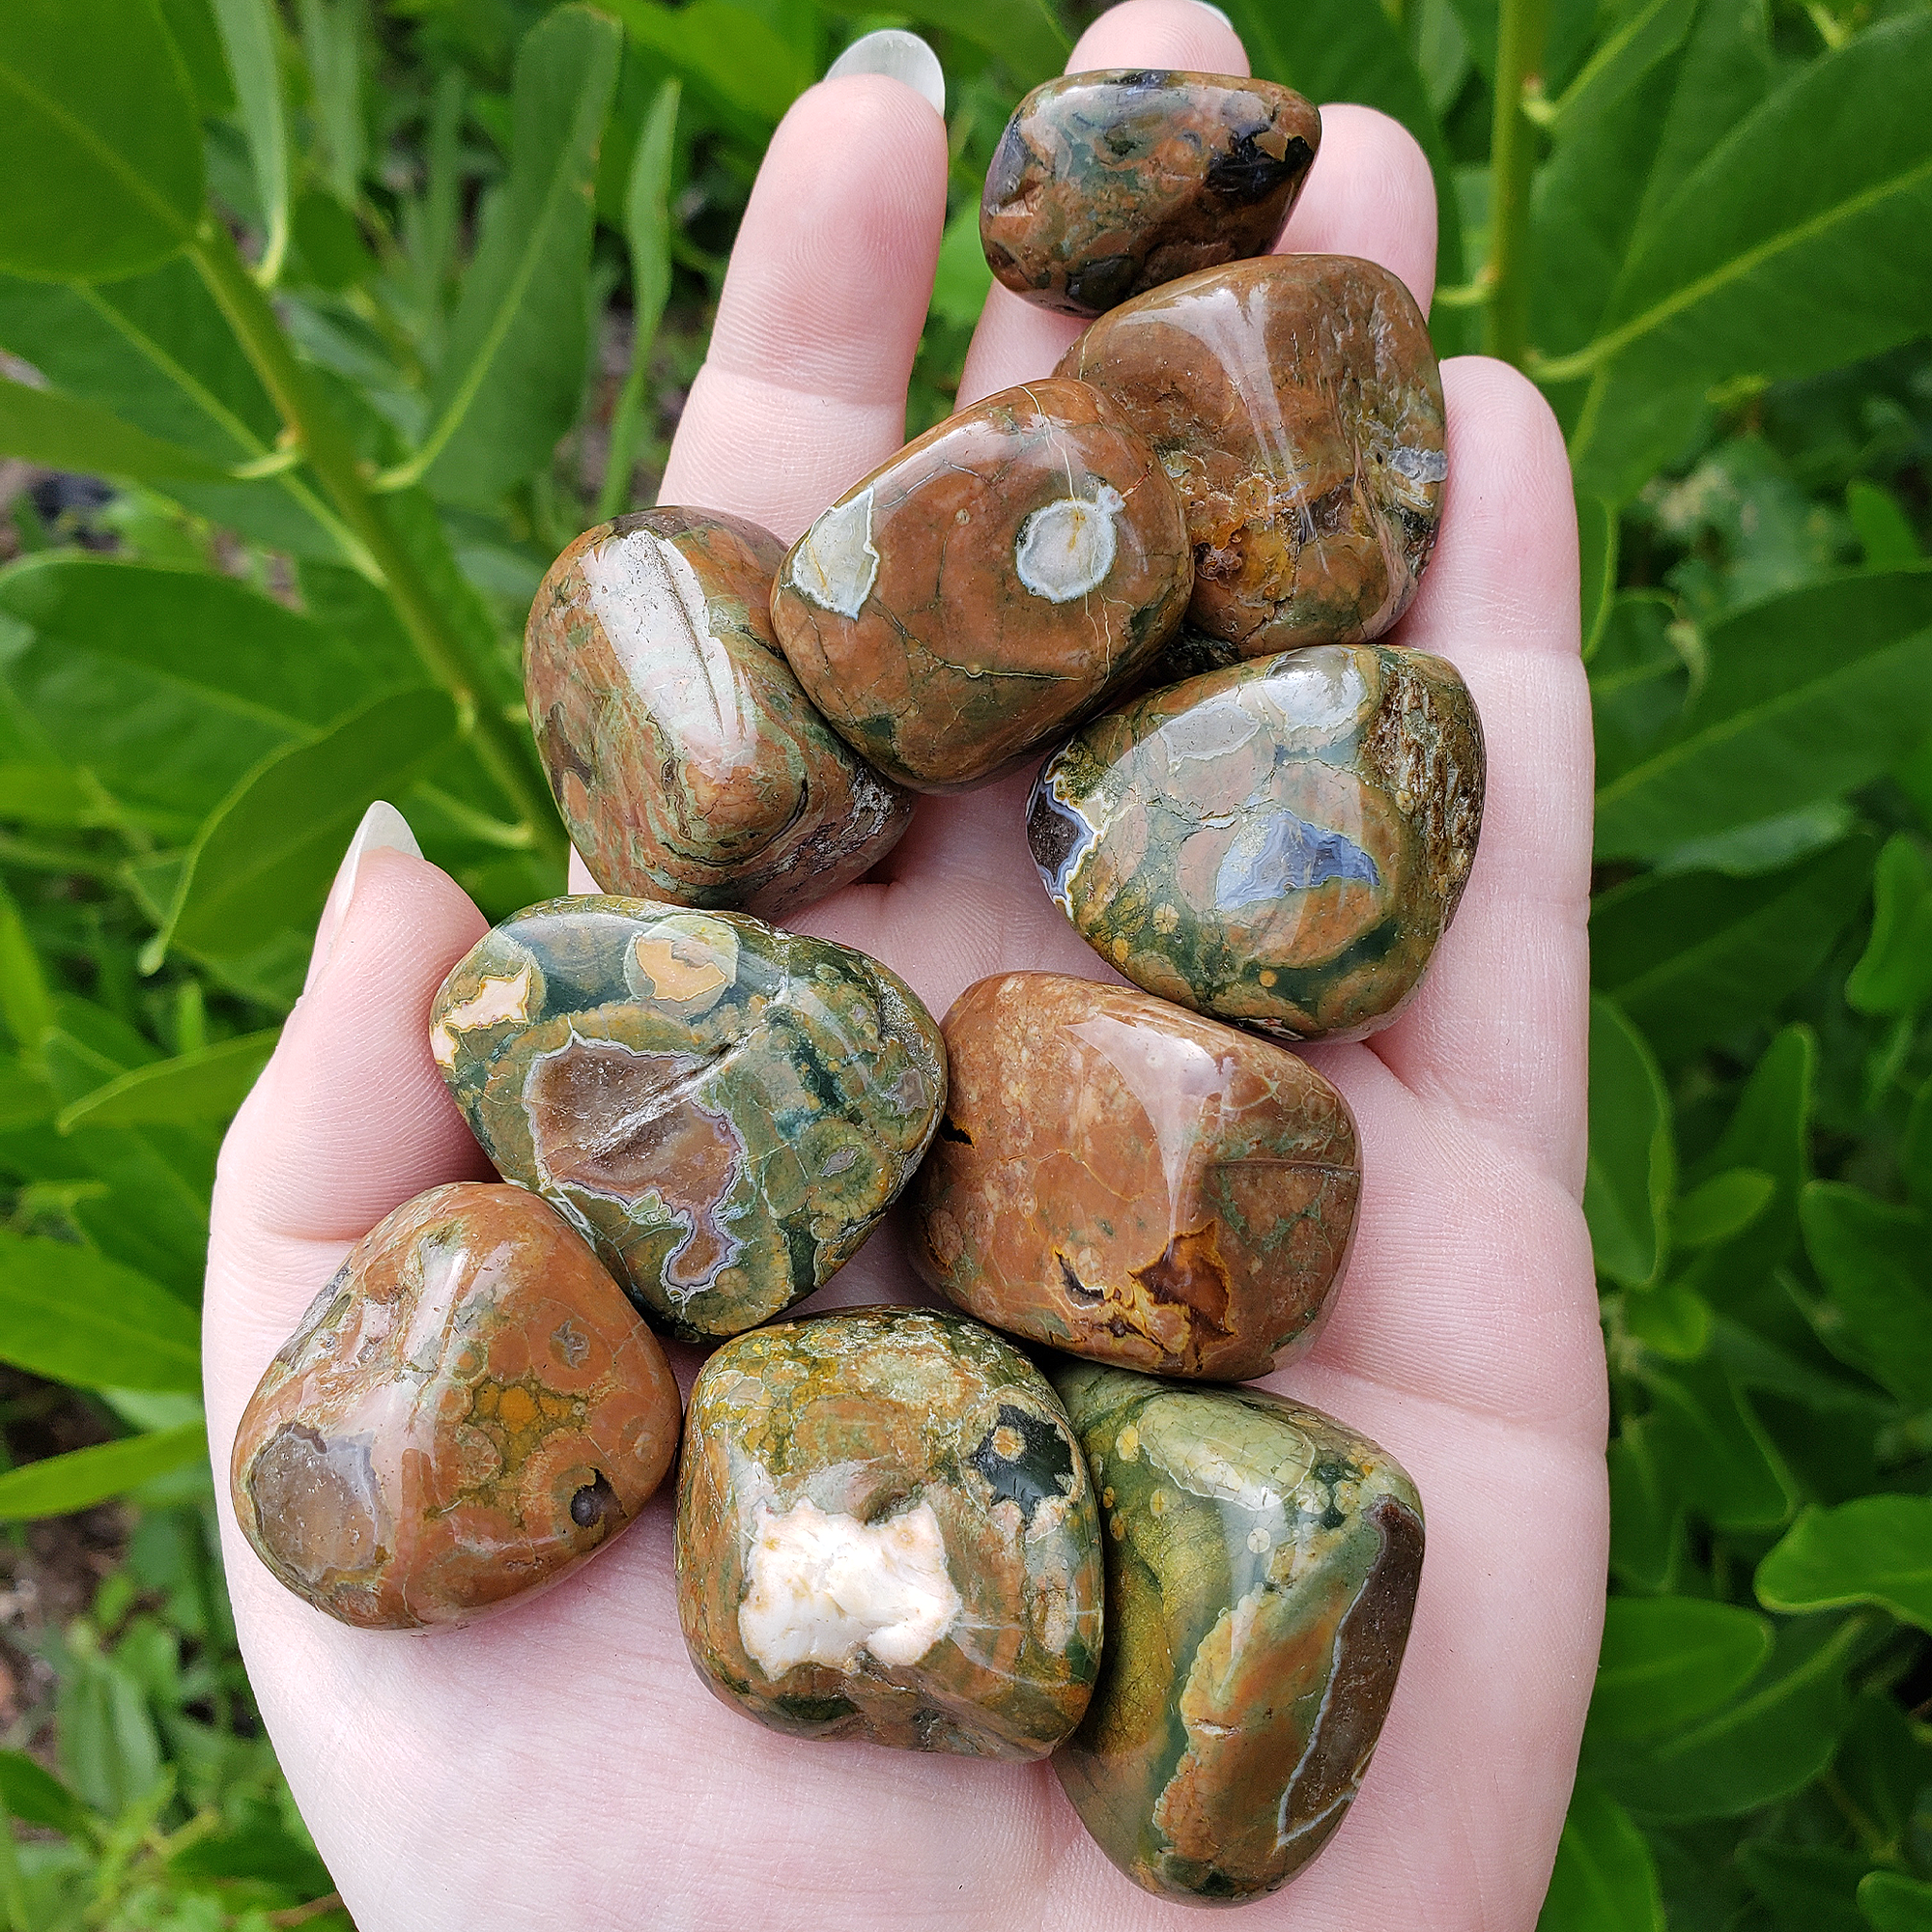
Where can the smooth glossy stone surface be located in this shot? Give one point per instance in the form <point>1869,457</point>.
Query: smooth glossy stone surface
<point>725,1111</point>
<point>1262,1569</point>
<point>884,1530</point>
<point>1295,403</point>
<point>994,580</point>
<point>1108,183</point>
<point>1280,843</point>
<point>682,753</point>
<point>1133,1183</point>
<point>468,1409</point>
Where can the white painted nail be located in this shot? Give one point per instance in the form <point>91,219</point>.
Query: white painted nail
<point>382,829</point>
<point>899,56</point>
<point>1209,7</point>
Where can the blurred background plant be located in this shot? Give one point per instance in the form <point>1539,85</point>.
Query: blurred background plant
<point>324,325</point>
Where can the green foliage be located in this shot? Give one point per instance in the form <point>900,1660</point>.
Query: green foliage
<point>332,509</point>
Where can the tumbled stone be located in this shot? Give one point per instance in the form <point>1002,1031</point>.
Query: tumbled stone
<point>1108,183</point>
<point>468,1411</point>
<point>1133,1183</point>
<point>1295,403</point>
<point>682,753</point>
<point>1262,1569</point>
<point>885,1531</point>
<point>996,579</point>
<point>1280,843</point>
<point>723,1110</point>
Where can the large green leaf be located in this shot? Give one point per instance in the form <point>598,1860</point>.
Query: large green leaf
<point>1874,1549</point>
<point>1603,1880</point>
<point>1724,1462</point>
<point>1876,1263</point>
<point>100,144</point>
<point>1651,34</point>
<point>1666,1660</point>
<point>1808,694</point>
<point>1632,1165</point>
<point>83,1477</point>
<point>1646,1512</point>
<point>254,64</point>
<point>67,1313</point>
<point>513,373</point>
<point>1894,974</point>
<point>66,433</point>
<point>1891,1902</point>
<point>35,1796</point>
<point>205,1085</point>
<point>1024,34</point>
<point>735,58</point>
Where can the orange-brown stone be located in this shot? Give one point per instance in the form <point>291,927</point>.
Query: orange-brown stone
<point>1131,1182</point>
<point>468,1411</point>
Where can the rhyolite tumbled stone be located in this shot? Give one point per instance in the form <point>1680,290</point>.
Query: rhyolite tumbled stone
<point>1110,183</point>
<point>1131,1182</point>
<point>1262,1569</point>
<point>682,753</point>
<point>1295,403</point>
<point>996,579</point>
<point>722,1109</point>
<point>885,1531</point>
<point>1280,843</point>
<point>468,1411</point>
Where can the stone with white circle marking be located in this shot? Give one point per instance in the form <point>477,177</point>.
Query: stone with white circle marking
<point>1066,550</point>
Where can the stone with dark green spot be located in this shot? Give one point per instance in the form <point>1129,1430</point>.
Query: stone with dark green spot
<point>1262,1561</point>
<point>723,1110</point>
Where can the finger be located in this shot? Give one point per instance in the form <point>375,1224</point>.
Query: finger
<point>1501,1024</point>
<point>1017,341</point>
<point>1370,193</point>
<point>804,388</point>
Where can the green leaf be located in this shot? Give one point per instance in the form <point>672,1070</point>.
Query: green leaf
<point>1597,534</point>
<point>512,376</point>
<point>71,1314</point>
<point>1670,1320</point>
<point>98,140</point>
<point>1651,34</point>
<point>1632,1164</point>
<point>1891,1902</point>
<point>64,433</point>
<point>1806,1888</point>
<point>37,1797</point>
<point>1667,1661</point>
<point>83,1477</point>
<point>1876,1263</point>
<point>1781,722</point>
<point>1646,1514</point>
<point>1885,531</point>
<point>254,64</point>
<point>960,283</point>
<point>1723,1206</point>
<point>1026,35</point>
<point>1724,1464</point>
<point>265,855</point>
<point>205,1085</point>
<point>1894,973</point>
<point>24,1001</point>
<point>1603,1880</point>
<point>728,52</point>
<point>1695,957</point>
<point>1875,1549</point>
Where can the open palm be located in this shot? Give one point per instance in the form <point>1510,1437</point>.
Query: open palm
<point>561,1765</point>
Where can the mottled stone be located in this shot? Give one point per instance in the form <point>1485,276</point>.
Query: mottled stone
<point>683,756</point>
<point>468,1411</point>
<point>1295,403</point>
<point>884,1530</point>
<point>723,1110</point>
<point>999,577</point>
<point>1280,843</point>
<point>1131,1182</point>
<point>1262,1569</point>
<point>1108,183</point>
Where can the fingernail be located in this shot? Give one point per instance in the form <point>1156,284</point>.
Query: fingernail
<point>1209,7</point>
<point>382,829</point>
<point>899,56</point>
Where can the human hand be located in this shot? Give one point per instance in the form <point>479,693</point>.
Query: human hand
<point>562,1765</point>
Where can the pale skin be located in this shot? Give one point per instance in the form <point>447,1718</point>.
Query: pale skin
<point>561,1765</point>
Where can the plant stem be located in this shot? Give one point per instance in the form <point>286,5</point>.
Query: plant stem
<point>504,752</point>
<point>1520,32</point>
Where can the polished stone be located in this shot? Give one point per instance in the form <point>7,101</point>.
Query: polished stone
<point>885,1531</point>
<point>468,1411</point>
<point>1262,1569</point>
<point>999,577</point>
<point>1280,843</point>
<point>1108,183</point>
<point>723,1110</point>
<point>683,756</point>
<point>1295,403</point>
<point>1131,1182</point>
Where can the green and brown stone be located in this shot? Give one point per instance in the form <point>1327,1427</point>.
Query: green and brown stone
<point>468,1411</point>
<point>723,1110</point>
<point>1295,403</point>
<point>1108,183</point>
<point>1131,1182</point>
<point>1280,843</point>
<point>683,756</point>
<point>998,579</point>
<point>1262,1561</point>
<point>885,1531</point>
